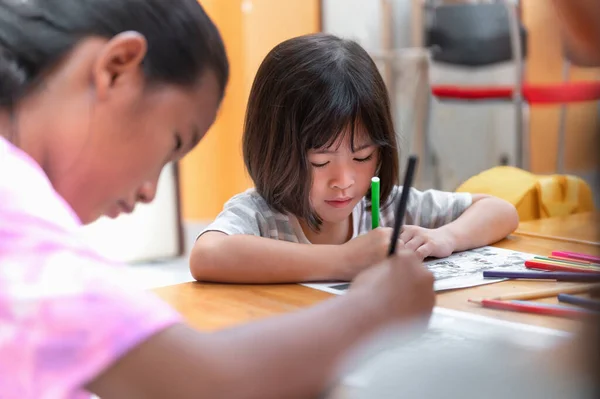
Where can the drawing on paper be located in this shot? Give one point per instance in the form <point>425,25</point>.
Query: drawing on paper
<point>459,270</point>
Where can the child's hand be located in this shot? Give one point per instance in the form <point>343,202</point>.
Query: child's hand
<point>427,242</point>
<point>399,288</point>
<point>366,250</point>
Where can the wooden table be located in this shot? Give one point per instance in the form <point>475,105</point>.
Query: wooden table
<point>458,299</point>
<point>216,306</point>
<point>582,228</point>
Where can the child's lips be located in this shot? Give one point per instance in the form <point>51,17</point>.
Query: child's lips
<point>339,203</point>
<point>125,207</point>
<point>118,208</point>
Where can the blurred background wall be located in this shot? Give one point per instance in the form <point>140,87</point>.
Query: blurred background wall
<point>214,171</point>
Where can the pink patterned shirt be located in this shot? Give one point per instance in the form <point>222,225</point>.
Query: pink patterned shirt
<point>65,313</point>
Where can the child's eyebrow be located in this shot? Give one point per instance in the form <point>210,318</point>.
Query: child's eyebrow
<point>330,151</point>
<point>362,147</point>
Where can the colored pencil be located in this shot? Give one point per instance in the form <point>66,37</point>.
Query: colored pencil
<point>532,307</point>
<point>559,267</point>
<point>556,306</point>
<point>575,255</point>
<point>559,259</point>
<point>532,275</point>
<point>375,191</point>
<point>569,260</point>
<point>545,293</point>
<point>579,301</point>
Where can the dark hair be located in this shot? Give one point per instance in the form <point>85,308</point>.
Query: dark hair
<point>35,34</point>
<point>309,91</point>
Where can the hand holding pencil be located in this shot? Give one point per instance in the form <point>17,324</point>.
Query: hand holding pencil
<point>398,288</point>
<point>424,242</point>
<point>366,250</point>
<point>371,248</point>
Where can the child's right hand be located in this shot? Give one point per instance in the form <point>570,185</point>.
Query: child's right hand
<point>366,250</point>
<point>398,288</point>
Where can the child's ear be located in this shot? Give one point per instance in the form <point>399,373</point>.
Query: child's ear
<point>120,63</point>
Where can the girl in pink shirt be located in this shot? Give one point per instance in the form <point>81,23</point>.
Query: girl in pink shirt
<point>96,96</point>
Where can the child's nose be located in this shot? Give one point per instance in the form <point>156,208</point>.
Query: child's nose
<point>343,178</point>
<point>147,192</point>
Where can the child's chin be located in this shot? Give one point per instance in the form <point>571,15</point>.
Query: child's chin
<point>342,217</point>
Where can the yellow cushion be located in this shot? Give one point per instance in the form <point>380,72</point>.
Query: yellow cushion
<point>534,196</point>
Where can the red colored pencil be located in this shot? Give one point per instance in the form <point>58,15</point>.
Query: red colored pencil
<point>556,267</point>
<point>558,311</point>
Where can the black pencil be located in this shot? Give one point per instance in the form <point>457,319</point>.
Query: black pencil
<point>401,208</point>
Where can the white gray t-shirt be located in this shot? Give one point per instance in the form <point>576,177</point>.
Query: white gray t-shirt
<point>248,213</point>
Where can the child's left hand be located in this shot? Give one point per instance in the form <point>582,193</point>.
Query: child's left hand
<point>427,242</point>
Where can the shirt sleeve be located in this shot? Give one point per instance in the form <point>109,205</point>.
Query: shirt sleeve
<point>432,208</point>
<point>65,318</point>
<point>242,214</point>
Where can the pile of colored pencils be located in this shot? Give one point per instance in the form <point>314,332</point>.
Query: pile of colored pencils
<point>560,266</point>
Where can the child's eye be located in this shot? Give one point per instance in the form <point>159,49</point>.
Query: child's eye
<point>178,142</point>
<point>365,159</point>
<point>319,165</point>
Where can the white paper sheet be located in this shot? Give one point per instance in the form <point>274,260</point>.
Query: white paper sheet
<point>459,270</point>
<point>456,331</point>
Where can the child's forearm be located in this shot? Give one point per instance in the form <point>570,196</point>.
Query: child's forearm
<point>282,355</point>
<point>292,356</point>
<point>218,257</point>
<point>487,220</point>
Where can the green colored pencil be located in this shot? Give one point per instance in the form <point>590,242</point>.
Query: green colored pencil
<point>375,202</point>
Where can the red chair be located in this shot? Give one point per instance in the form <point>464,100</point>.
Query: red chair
<point>563,93</point>
<point>533,94</point>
